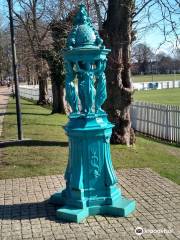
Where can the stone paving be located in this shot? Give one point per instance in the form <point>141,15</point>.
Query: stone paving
<point>4,97</point>
<point>26,214</point>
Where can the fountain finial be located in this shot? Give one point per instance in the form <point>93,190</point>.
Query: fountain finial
<point>83,34</point>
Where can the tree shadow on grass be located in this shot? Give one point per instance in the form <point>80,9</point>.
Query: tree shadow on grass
<point>30,103</point>
<point>38,114</point>
<point>27,113</point>
<point>5,94</point>
<point>22,103</point>
<point>7,113</point>
<point>11,103</point>
<point>25,211</point>
<point>156,140</point>
<point>31,143</point>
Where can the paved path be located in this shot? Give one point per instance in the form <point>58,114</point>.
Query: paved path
<point>4,97</point>
<point>25,213</point>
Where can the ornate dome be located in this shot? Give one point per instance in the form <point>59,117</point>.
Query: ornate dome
<point>83,34</point>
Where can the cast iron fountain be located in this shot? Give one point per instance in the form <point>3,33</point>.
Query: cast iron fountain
<point>91,182</point>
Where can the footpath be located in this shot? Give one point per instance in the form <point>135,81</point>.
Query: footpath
<point>26,214</point>
<point>4,98</point>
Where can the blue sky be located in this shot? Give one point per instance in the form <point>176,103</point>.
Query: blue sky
<point>152,37</point>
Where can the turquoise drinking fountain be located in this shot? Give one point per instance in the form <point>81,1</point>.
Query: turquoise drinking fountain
<point>91,182</point>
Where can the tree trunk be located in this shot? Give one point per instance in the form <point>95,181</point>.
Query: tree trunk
<point>43,91</point>
<point>43,85</point>
<point>28,75</point>
<point>58,98</point>
<point>98,13</point>
<point>118,37</point>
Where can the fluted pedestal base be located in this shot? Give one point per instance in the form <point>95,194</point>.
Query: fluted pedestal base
<point>91,183</point>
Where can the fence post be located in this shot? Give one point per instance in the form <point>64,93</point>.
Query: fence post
<point>167,119</point>
<point>143,86</point>
<point>147,107</point>
<point>173,84</point>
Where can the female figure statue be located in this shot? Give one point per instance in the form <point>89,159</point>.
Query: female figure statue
<point>86,88</point>
<point>101,93</point>
<point>71,95</point>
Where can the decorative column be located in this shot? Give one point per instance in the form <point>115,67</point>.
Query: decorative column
<point>91,183</point>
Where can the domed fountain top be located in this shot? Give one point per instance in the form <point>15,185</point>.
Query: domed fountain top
<point>83,34</point>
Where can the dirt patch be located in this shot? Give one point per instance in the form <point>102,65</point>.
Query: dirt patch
<point>3,162</point>
<point>174,151</point>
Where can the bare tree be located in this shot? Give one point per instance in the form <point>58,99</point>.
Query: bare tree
<point>54,58</point>
<point>162,15</point>
<point>97,6</point>
<point>143,55</point>
<point>5,62</point>
<point>26,61</point>
<point>31,16</point>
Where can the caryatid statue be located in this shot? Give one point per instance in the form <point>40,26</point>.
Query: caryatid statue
<point>71,95</point>
<point>91,182</point>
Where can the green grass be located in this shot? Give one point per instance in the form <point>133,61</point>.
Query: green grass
<point>169,96</point>
<point>47,153</point>
<point>155,77</point>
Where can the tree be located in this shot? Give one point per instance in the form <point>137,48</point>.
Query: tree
<point>118,37</point>
<point>143,55</point>
<point>164,63</point>
<point>26,60</point>
<point>5,63</point>
<point>54,58</point>
<point>124,17</point>
<point>59,27</point>
<point>31,18</point>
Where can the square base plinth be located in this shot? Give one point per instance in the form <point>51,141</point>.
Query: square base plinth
<point>121,208</point>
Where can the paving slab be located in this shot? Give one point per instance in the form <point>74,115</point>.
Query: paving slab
<point>26,214</point>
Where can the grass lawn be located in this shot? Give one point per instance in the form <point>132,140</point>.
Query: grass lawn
<point>169,96</point>
<point>47,152</point>
<point>155,77</point>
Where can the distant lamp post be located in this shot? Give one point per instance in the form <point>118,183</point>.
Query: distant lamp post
<point>152,71</point>
<point>174,71</point>
<point>14,67</point>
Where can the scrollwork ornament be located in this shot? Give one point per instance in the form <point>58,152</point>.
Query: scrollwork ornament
<point>95,171</point>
